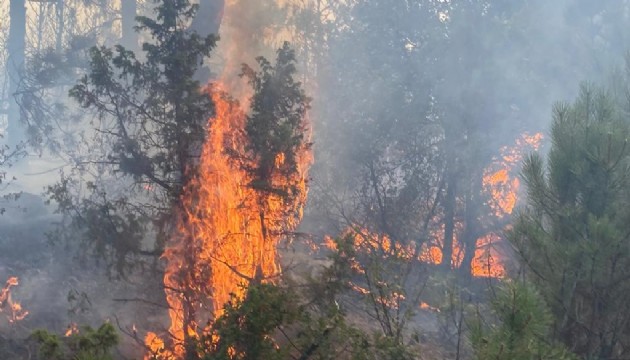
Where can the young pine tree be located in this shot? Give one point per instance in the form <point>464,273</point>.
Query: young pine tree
<point>573,234</point>
<point>522,329</point>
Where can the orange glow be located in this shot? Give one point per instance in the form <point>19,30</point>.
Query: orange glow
<point>15,311</point>
<point>368,242</point>
<point>501,184</point>
<point>502,189</point>
<point>157,349</point>
<point>431,253</point>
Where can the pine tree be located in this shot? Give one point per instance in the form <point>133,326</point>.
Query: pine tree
<point>573,234</point>
<point>522,329</point>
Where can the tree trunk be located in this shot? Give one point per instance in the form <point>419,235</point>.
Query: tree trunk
<point>449,217</point>
<point>60,26</point>
<point>15,67</point>
<point>472,230</point>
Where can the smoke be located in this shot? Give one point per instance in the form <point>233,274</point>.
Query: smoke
<point>491,68</point>
<point>397,85</point>
<point>249,29</point>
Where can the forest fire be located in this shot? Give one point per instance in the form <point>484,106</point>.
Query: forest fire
<point>228,230</point>
<point>499,180</point>
<point>234,212</point>
<point>501,185</point>
<point>14,309</point>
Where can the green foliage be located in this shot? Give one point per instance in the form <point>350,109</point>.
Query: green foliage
<point>279,322</point>
<point>572,236</point>
<point>245,330</point>
<point>159,110</point>
<point>87,344</point>
<point>276,126</point>
<point>522,329</point>
<point>272,323</point>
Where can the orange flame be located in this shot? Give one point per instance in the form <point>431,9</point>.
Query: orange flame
<point>228,233</point>
<point>227,230</point>
<point>500,183</point>
<point>499,180</point>
<point>72,329</point>
<point>16,312</point>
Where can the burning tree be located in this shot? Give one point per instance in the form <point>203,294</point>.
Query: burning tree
<point>248,196</point>
<point>277,135</point>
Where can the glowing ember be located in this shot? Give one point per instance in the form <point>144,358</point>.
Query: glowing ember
<point>13,309</point>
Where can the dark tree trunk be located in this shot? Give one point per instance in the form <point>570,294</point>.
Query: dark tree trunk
<point>449,217</point>
<point>473,226</point>
<point>15,67</point>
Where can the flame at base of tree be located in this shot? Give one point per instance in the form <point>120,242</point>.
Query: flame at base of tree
<point>228,229</point>
<point>501,186</point>
<point>487,261</point>
<point>13,309</point>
